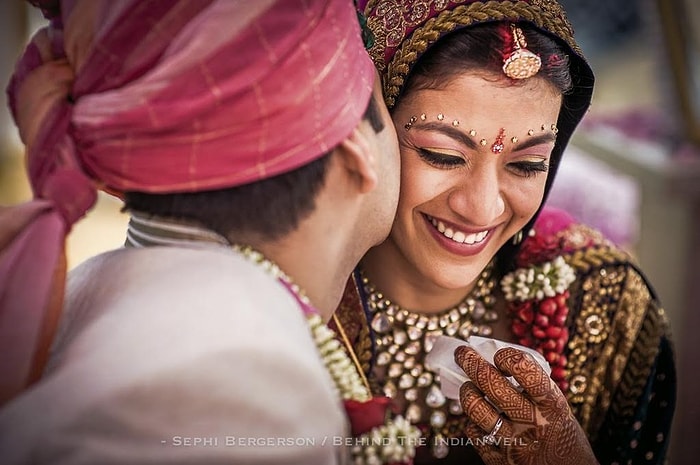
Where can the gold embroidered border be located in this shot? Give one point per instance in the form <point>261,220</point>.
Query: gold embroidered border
<point>636,374</point>
<point>547,15</point>
<point>350,315</point>
<point>615,337</point>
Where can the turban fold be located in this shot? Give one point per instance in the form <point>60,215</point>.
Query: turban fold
<point>161,96</point>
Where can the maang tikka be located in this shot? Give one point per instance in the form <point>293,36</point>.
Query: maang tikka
<point>521,63</point>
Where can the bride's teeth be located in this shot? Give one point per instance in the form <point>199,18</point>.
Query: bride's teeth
<point>458,236</point>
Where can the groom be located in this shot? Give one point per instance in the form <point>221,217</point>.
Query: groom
<point>221,123</point>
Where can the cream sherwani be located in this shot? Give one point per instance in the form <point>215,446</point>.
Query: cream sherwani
<point>177,355</point>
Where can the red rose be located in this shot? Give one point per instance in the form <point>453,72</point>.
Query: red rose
<point>537,249</point>
<point>367,415</point>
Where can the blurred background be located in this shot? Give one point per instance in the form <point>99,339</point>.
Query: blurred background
<point>632,171</point>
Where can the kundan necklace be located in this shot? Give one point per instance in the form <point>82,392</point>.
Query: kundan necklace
<point>403,338</point>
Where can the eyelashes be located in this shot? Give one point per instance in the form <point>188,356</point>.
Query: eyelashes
<point>440,160</point>
<point>528,169</point>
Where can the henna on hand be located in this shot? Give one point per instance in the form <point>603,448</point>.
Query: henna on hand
<point>481,411</point>
<point>538,425</point>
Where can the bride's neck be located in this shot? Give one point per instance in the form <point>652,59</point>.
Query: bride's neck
<point>395,278</point>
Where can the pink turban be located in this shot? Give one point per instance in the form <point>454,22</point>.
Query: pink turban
<point>161,96</point>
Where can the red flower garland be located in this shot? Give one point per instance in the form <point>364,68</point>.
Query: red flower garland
<point>541,325</point>
<point>540,322</point>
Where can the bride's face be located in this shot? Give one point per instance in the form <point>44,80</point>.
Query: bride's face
<point>474,160</point>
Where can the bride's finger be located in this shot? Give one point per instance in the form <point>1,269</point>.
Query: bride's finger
<point>479,411</point>
<point>489,380</point>
<point>489,453</point>
<point>526,371</point>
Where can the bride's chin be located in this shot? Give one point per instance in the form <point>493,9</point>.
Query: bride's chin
<point>454,281</point>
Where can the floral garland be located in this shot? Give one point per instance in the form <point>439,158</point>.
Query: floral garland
<point>537,302</point>
<point>378,438</point>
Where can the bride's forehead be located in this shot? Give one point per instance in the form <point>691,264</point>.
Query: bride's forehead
<point>473,97</point>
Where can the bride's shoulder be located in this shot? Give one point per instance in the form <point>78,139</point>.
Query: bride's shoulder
<point>558,234</point>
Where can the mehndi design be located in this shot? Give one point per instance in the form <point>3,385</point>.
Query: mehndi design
<point>538,427</point>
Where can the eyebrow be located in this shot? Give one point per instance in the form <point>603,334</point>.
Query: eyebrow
<point>449,131</point>
<point>532,141</point>
<point>456,134</point>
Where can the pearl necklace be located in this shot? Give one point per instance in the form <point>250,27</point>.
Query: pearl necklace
<point>404,338</point>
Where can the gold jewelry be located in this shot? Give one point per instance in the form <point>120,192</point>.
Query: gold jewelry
<point>403,338</point>
<point>518,238</point>
<point>521,63</point>
<point>350,351</point>
<point>498,146</point>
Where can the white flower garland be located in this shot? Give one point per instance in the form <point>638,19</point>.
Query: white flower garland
<point>345,377</point>
<point>538,281</point>
<point>393,442</point>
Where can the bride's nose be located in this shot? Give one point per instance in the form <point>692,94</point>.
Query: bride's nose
<point>478,198</point>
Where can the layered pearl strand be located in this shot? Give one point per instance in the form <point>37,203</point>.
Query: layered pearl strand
<point>404,338</point>
<point>395,441</point>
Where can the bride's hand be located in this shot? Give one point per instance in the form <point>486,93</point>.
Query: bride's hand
<point>535,426</point>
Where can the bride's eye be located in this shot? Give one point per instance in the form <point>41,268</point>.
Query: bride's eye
<point>440,160</point>
<point>529,168</point>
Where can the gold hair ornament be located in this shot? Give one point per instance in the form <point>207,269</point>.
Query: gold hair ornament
<point>521,63</point>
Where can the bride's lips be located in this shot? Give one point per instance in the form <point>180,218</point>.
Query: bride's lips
<point>456,239</point>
